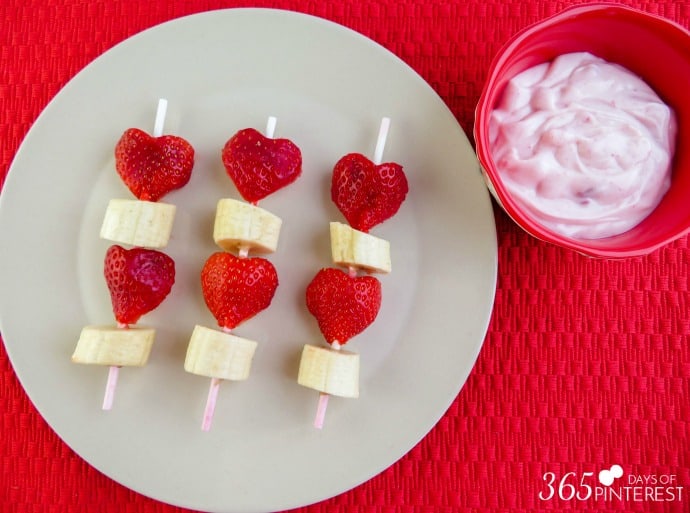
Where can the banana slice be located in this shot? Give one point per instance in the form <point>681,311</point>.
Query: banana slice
<point>140,223</point>
<point>110,345</point>
<point>353,248</point>
<point>216,354</point>
<point>329,371</point>
<point>242,225</point>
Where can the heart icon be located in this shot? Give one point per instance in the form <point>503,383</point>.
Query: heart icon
<point>236,289</point>
<point>608,476</point>
<point>151,167</point>
<point>365,193</point>
<point>343,305</point>
<point>259,165</point>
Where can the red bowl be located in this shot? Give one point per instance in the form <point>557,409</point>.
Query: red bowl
<point>652,47</point>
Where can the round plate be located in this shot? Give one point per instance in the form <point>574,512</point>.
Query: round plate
<point>222,71</point>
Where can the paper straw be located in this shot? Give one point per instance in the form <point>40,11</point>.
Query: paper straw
<point>160,117</point>
<point>271,126</point>
<point>322,405</point>
<point>210,404</point>
<point>321,410</point>
<point>110,387</point>
<point>381,141</point>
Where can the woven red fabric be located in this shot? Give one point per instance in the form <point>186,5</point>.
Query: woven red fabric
<point>586,362</point>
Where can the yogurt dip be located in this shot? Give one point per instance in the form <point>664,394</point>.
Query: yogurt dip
<point>583,145</point>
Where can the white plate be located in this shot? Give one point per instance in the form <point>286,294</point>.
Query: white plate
<point>222,71</point>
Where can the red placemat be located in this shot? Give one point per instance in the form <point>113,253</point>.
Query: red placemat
<point>586,362</point>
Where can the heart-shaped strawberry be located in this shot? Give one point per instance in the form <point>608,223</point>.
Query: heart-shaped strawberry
<point>365,193</point>
<point>343,305</point>
<point>259,165</point>
<point>138,279</point>
<point>151,167</point>
<point>236,289</point>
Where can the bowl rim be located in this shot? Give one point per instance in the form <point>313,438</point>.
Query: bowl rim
<point>494,183</point>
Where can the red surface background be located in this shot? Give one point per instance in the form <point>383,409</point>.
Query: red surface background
<point>585,364</point>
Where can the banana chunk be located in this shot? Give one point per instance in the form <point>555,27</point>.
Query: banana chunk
<point>110,345</point>
<point>239,224</point>
<point>140,223</point>
<point>353,248</point>
<point>329,371</point>
<point>216,354</point>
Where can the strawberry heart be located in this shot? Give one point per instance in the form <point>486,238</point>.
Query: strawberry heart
<point>236,289</point>
<point>365,193</point>
<point>138,279</point>
<point>259,165</point>
<point>151,167</point>
<point>343,305</point>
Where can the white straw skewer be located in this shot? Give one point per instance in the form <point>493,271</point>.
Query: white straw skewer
<point>322,405</point>
<point>160,117</point>
<point>378,158</point>
<point>214,387</point>
<point>321,410</point>
<point>110,387</point>
<point>212,399</point>
<point>381,141</point>
<point>210,404</point>
<point>113,374</point>
<point>271,126</point>
<point>114,370</point>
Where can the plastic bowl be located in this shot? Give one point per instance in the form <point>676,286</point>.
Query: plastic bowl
<point>652,47</point>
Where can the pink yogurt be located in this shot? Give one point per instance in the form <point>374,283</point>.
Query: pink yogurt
<point>584,145</point>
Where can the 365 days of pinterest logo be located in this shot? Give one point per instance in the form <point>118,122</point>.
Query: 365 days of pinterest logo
<point>611,484</point>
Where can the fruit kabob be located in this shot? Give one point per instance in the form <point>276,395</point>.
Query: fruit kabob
<point>139,278</point>
<point>346,303</point>
<point>236,286</point>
